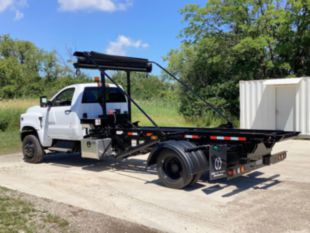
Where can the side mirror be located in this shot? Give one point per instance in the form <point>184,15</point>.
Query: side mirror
<point>44,102</point>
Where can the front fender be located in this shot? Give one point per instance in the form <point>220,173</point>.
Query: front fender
<point>35,121</point>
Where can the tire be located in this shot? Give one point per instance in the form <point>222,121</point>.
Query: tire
<point>195,179</point>
<point>32,149</point>
<point>172,171</point>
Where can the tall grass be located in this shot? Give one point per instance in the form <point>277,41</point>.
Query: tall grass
<point>18,103</point>
<point>164,113</point>
<point>10,111</point>
<point>10,141</point>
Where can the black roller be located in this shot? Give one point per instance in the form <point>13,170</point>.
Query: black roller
<point>111,62</point>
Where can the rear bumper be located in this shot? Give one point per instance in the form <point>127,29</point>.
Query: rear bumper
<point>275,158</point>
<point>239,170</point>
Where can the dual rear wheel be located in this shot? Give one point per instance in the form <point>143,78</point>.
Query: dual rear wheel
<point>173,172</point>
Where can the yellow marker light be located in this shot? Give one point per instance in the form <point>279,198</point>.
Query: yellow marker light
<point>154,137</point>
<point>97,79</point>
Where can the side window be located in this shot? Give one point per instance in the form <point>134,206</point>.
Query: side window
<point>90,95</point>
<point>113,95</point>
<point>64,98</point>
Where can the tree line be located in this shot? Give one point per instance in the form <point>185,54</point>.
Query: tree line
<point>28,71</point>
<point>223,42</point>
<point>226,41</point>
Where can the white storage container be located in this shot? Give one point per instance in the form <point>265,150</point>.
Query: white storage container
<point>282,104</point>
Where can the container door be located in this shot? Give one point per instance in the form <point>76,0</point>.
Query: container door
<point>285,102</point>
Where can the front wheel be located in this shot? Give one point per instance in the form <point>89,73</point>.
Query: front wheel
<point>172,171</point>
<point>32,149</point>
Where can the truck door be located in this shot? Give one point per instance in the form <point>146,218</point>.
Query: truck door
<point>60,116</point>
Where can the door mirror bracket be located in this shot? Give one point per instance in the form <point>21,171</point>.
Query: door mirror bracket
<point>44,102</point>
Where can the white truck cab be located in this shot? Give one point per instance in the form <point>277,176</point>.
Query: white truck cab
<point>61,119</point>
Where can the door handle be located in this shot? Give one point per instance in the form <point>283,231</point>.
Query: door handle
<point>67,112</point>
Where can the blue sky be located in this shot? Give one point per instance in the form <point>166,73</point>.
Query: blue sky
<point>141,28</point>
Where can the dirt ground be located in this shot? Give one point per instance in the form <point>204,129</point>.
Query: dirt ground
<point>77,219</point>
<point>272,199</point>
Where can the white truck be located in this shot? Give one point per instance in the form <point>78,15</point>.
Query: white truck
<point>95,119</point>
<point>56,124</point>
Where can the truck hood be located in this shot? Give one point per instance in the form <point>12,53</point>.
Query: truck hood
<point>37,110</point>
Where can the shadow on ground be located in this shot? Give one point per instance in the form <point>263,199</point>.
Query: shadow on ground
<point>253,180</point>
<point>132,165</point>
<point>243,183</point>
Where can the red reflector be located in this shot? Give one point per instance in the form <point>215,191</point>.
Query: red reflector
<point>191,136</point>
<point>130,133</point>
<point>230,172</point>
<point>213,137</point>
<point>241,138</point>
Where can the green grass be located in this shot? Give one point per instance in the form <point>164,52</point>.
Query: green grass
<point>10,142</point>
<point>14,214</point>
<point>162,112</point>
<point>54,219</point>
<point>10,111</point>
<point>17,215</point>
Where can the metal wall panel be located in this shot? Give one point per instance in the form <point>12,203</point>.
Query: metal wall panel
<point>258,105</point>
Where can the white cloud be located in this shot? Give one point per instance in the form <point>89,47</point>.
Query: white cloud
<point>15,6</point>
<point>5,4</point>
<point>119,46</point>
<point>101,5</point>
<point>18,15</point>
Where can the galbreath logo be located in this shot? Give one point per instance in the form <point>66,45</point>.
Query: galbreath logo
<point>218,164</point>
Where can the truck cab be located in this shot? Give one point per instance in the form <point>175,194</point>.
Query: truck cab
<point>59,120</point>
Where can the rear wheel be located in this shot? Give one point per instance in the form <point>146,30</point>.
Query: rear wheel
<point>196,177</point>
<point>32,149</point>
<point>172,171</point>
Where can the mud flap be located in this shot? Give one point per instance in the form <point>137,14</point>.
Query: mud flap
<point>217,162</point>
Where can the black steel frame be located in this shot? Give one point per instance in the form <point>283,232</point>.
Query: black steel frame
<point>253,137</point>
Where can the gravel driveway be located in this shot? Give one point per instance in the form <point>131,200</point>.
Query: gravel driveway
<point>272,199</point>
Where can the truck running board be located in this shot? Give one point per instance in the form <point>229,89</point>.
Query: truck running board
<point>60,149</point>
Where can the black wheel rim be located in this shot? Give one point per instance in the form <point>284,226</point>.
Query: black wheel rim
<point>173,168</point>
<point>29,150</point>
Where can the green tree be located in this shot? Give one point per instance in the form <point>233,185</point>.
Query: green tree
<point>26,70</point>
<point>228,40</point>
<point>147,87</point>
